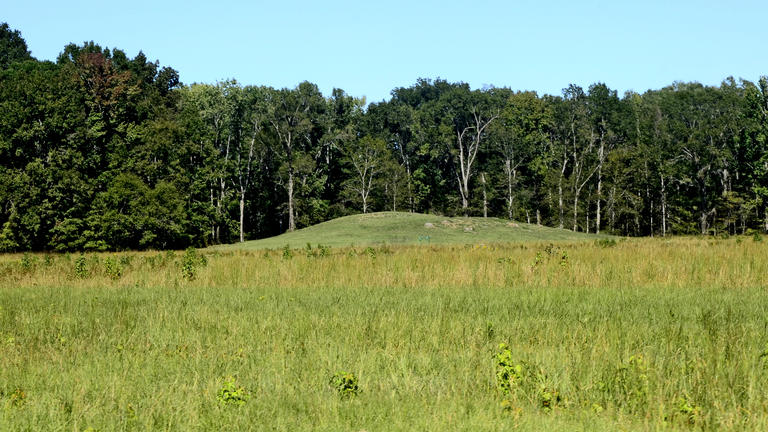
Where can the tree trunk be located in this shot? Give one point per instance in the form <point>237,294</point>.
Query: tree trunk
<point>242,214</point>
<point>663,208</point>
<point>599,197</point>
<point>575,211</point>
<point>560,201</point>
<point>612,207</point>
<point>587,216</point>
<point>463,193</point>
<point>560,192</point>
<point>508,169</point>
<point>291,221</point>
<point>213,225</point>
<point>485,196</point>
<point>465,196</point>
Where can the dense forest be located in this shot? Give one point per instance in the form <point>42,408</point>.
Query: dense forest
<point>99,151</point>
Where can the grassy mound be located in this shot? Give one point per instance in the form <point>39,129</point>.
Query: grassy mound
<point>413,228</point>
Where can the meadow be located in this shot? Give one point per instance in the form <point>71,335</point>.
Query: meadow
<point>601,334</point>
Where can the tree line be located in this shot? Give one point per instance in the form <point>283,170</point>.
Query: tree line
<point>99,151</point>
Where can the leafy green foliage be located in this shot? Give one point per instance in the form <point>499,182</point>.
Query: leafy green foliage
<point>103,152</point>
<point>27,262</point>
<point>190,262</point>
<point>606,243</point>
<point>17,398</point>
<point>517,379</point>
<point>345,384</point>
<point>112,268</point>
<point>231,393</point>
<point>509,373</point>
<point>81,267</point>
<point>689,410</point>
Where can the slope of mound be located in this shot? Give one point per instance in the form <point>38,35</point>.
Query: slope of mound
<point>412,228</point>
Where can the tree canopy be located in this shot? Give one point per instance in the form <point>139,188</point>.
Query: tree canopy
<point>101,151</point>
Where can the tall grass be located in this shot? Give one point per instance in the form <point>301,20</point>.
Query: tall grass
<point>634,335</point>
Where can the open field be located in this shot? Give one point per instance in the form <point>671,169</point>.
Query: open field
<point>645,334</point>
<point>399,228</point>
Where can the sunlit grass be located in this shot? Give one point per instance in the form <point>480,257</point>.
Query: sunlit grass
<point>418,327</point>
<point>398,228</point>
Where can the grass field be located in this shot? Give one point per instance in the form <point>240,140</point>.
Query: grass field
<point>396,228</point>
<point>645,334</point>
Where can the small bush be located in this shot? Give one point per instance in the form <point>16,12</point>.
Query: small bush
<point>18,397</point>
<point>190,261</point>
<point>81,267</point>
<point>27,262</point>
<point>690,411</point>
<point>509,373</point>
<point>125,260</point>
<point>112,268</point>
<point>345,384</point>
<point>606,243</point>
<point>548,398</point>
<point>537,260</point>
<point>309,251</point>
<point>232,394</point>
<point>287,252</point>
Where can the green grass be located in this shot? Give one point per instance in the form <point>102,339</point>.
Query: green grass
<point>250,340</point>
<point>396,228</point>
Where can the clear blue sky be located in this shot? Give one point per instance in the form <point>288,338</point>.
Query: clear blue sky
<point>370,47</point>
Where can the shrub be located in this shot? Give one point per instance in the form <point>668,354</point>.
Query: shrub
<point>17,398</point>
<point>509,373</point>
<point>548,398</point>
<point>690,411</point>
<point>606,243</point>
<point>112,268</point>
<point>232,394</point>
<point>287,252</point>
<point>310,253</point>
<point>345,384</point>
<point>81,267</point>
<point>190,261</point>
<point>125,260</point>
<point>27,262</point>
